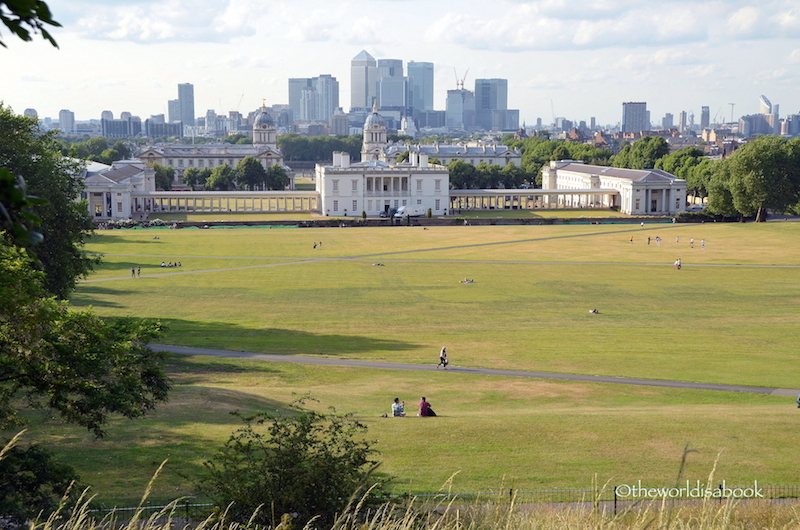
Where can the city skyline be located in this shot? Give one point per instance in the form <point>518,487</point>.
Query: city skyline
<point>558,60</point>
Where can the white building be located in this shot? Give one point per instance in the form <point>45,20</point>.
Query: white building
<point>108,188</point>
<point>472,153</point>
<point>181,157</point>
<point>374,186</point>
<point>634,191</point>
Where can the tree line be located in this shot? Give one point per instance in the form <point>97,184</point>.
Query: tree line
<point>762,175</point>
<point>248,175</point>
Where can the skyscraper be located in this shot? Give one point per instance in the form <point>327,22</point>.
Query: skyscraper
<point>66,121</point>
<point>420,85</point>
<point>460,109</point>
<point>296,87</point>
<point>326,88</point>
<point>705,118</point>
<point>313,98</point>
<point>363,79</point>
<point>490,95</point>
<point>634,117</point>
<point>186,99</point>
<point>668,121</point>
<point>174,110</point>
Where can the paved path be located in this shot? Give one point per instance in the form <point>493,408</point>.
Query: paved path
<point>480,371</point>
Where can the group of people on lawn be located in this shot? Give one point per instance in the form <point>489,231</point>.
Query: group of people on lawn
<point>399,408</point>
<point>424,408</point>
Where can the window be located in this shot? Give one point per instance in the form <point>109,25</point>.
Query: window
<point>369,205</point>
<point>200,162</point>
<point>396,203</point>
<point>191,162</point>
<point>369,184</point>
<point>419,201</point>
<point>169,162</point>
<point>119,207</point>
<point>637,204</point>
<point>438,186</point>
<point>335,184</point>
<point>678,203</point>
<point>119,195</point>
<point>355,205</point>
<point>355,185</point>
<point>180,162</point>
<point>404,202</point>
<point>419,184</point>
<point>436,205</point>
<point>335,206</point>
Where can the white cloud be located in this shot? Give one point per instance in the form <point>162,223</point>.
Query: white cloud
<point>794,57</point>
<point>173,20</point>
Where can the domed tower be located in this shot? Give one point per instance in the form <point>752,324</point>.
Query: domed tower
<point>264,133</point>
<point>374,145</point>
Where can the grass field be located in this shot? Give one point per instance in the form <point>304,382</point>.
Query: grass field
<point>729,316</point>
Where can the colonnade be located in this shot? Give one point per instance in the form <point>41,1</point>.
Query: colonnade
<point>241,202</point>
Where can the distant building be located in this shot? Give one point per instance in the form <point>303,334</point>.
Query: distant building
<point>31,113</point>
<point>121,128</point>
<point>186,103</point>
<point>314,98</point>
<point>106,115</point>
<point>174,110</point>
<point>363,81</point>
<point>634,117</point>
<point>108,188</point>
<point>668,121</point>
<point>634,191</point>
<point>420,86</point>
<point>66,121</point>
<point>460,110</point>
<point>374,186</point>
<point>181,157</point>
<point>705,118</point>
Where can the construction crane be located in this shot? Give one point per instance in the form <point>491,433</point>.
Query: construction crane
<point>460,82</point>
<point>716,116</point>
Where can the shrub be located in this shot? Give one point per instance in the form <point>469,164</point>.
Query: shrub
<point>308,464</point>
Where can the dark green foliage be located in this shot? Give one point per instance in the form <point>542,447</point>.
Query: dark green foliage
<point>277,179</point>
<point>763,174</point>
<point>24,17</point>
<point>308,463</point>
<point>164,177</point>
<point>538,151</point>
<point>250,173</point>
<point>222,178</point>
<point>17,220</point>
<point>318,148</point>
<point>82,367</point>
<point>32,483</point>
<point>642,154</point>
<point>29,153</point>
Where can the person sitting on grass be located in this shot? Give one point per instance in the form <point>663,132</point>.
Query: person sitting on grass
<point>425,409</point>
<point>398,408</point>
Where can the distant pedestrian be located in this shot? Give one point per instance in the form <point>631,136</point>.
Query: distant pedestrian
<point>133,272</point>
<point>138,272</point>
<point>702,243</point>
<point>631,239</point>
<point>678,264</point>
<point>642,225</point>
<point>691,243</point>
<point>674,220</point>
<point>315,245</point>
<point>677,239</point>
<point>443,362</point>
<point>658,240</point>
<point>648,240</point>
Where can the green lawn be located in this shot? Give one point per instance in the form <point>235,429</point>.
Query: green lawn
<point>724,318</point>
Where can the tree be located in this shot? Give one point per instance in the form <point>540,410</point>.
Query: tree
<point>642,154</point>
<point>122,149</point>
<point>462,175</point>
<point>277,179</point>
<point>222,178</point>
<point>82,367</point>
<point>250,173</point>
<point>28,152</point>
<point>308,463</point>
<point>32,483</point>
<point>764,174</point>
<point>164,176</point>
<point>17,220</point>
<point>24,17</point>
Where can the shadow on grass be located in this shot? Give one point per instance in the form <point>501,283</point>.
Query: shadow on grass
<point>89,294</point>
<point>226,336</point>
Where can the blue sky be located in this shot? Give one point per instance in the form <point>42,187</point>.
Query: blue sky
<point>576,59</point>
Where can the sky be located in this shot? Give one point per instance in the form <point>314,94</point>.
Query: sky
<point>569,58</point>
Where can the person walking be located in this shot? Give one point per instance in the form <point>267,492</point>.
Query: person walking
<point>443,362</point>
<point>139,271</point>
<point>133,272</point>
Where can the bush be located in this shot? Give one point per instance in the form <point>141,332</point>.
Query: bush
<point>32,483</point>
<point>307,464</point>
